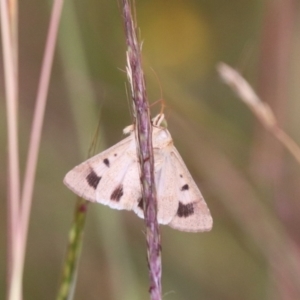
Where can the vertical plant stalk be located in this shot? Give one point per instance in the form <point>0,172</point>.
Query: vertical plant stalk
<point>67,285</point>
<point>8,11</point>
<point>145,151</point>
<point>37,124</point>
<point>38,118</point>
<point>20,217</point>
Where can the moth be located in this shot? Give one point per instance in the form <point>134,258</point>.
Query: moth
<point>112,178</point>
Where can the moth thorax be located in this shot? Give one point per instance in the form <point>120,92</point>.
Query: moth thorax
<point>161,137</point>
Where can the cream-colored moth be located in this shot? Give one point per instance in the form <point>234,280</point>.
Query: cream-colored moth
<point>112,178</point>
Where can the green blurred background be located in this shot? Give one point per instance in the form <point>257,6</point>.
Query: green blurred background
<point>250,183</point>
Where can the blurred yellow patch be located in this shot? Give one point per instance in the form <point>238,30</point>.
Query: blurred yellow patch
<point>175,35</point>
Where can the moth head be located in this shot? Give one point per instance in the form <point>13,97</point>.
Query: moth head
<point>159,121</point>
<point>161,135</point>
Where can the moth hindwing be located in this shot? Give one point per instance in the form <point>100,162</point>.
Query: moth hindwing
<point>112,178</point>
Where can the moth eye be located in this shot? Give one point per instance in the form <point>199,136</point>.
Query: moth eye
<point>117,193</point>
<point>106,162</point>
<point>185,187</point>
<point>185,210</point>
<point>93,179</point>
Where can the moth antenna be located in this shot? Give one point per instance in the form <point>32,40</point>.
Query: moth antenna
<point>161,100</point>
<point>131,109</point>
<point>95,139</point>
<point>158,81</point>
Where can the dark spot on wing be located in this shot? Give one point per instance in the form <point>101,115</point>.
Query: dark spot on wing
<point>117,193</point>
<point>93,179</point>
<point>115,154</point>
<point>185,187</point>
<point>106,162</point>
<point>180,175</point>
<point>141,203</point>
<point>185,210</point>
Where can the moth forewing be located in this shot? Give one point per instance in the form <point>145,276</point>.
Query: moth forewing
<point>199,221</point>
<point>120,186</point>
<point>192,214</point>
<point>84,179</point>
